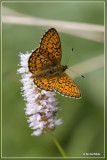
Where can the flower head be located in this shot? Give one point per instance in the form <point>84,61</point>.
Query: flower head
<point>41,105</point>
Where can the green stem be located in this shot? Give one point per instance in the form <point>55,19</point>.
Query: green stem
<point>58,145</point>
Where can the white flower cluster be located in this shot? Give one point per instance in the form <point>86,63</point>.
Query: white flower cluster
<point>41,105</point>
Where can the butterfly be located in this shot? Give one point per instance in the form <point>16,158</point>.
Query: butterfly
<point>45,65</point>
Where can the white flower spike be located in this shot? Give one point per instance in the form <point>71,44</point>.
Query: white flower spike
<point>41,105</point>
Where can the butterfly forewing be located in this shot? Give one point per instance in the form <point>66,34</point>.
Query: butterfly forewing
<point>50,46</point>
<point>38,62</point>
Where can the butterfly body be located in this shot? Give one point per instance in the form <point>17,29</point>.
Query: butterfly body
<point>52,70</point>
<point>47,72</point>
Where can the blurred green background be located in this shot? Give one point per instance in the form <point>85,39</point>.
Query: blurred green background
<point>82,130</point>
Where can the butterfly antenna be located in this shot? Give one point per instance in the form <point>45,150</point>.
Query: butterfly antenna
<point>70,56</point>
<point>77,73</point>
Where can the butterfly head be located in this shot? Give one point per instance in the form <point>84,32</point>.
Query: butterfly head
<point>65,67</point>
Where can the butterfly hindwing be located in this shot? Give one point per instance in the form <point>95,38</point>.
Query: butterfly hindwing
<point>61,83</point>
<point>50,46</point>
<point>38,62</point>
<point>65,86</point>
<point>47,82</point>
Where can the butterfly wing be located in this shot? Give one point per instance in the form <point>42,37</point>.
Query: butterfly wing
<point>50,46</point>
<point>65,86</point>
<point>38,62</point>
<point>47,82</point>
<point>61,83</point>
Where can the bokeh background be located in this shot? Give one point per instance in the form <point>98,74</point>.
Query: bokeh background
<point>82,130</point>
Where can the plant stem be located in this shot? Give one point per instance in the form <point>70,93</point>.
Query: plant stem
<point>58,145</point>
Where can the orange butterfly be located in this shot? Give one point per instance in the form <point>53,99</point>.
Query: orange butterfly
<point>48,73</point>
